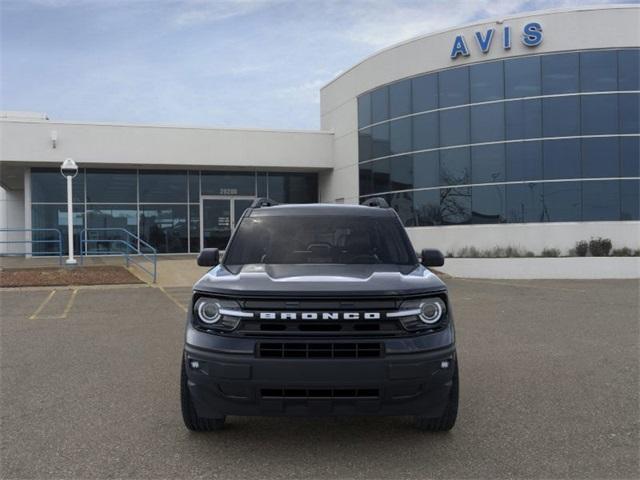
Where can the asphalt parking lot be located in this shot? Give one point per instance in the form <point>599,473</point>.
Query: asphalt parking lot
<point>549,389</point>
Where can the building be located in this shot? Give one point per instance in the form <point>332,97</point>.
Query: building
<point>519,131</point>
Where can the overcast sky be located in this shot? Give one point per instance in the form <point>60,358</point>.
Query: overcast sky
<point>230,63</point>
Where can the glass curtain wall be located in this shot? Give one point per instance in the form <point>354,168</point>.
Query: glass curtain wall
<point>544,138</point>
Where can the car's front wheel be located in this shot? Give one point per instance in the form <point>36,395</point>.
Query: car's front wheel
<point>448,418</point>
<point>191,418</point>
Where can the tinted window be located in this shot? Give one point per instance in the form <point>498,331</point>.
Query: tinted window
<point>487,164</point>
<point>630,156</point>
<point>487,81</point>
<point>426,169</point>
<point>48,185</point>
<point>365,145</point>
<point>560,73</point>
<point>523,119</point>
<point>228,183</point>
<point>629,195</point>
<point>400,135</point>
<point>425,131</point>
<point>380,140</point>
<point>194,228</point>
<point>366,178</point>
<point>598,71</point>
<point>165,227</point>
<point>629,70</point>
<point>118,186</point>
<point>380,105</point>
<point>337,239</point>
<point>561,116</point>
<point>426,205</point>
<point>364,110</point>
<point>114,218</point>
<point>524,161</point>
<point>424,93</point>
<point>487,122</point>
<point>629,113</point>
<point>293,187</point>
<point>454,127</point>
<point>400,98</point>
<point>455,166</point>
<point>562,201</point>
<point>455,205</point>
<point>261,184</point>
<point>599,114</point>
<point>524,203</point>
<point>600,157</point>
<point>522,77</point>
<point>561,159</point>
<point>454,87</point>
<point>601,200</point>
<point>53,216</point>
<point>402,203</point>
<point>402,172</point>
<point>381,176</point>
<point>488,204</point>
<point>167,186</point>
<point>194,186</point>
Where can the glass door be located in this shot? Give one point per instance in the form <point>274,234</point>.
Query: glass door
<point>218,218</point>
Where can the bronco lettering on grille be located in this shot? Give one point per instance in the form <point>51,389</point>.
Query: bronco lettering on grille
<point>320,316</point>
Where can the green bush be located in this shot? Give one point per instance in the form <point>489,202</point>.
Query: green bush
<point>550,252</point>
<point>625,252</point>
<point>600,247</point>
<point>581,248</point>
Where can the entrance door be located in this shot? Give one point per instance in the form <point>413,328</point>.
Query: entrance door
<point>218,218</point>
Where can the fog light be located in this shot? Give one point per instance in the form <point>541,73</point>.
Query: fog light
<point>444,364</point>
<point>194,364</point>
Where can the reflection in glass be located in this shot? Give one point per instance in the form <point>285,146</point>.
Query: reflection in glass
<point>163,186</point>
<point>261,184</point>
<point>194,186</point>
<point>425,131</point>
<point>487,123</point>
<point>524,161</point>
<point>601,200</point>
<point>561,116</point>
<point>600,157</point>
<point>194,228</point>
<point>630,156</point>
<point>426,169</point>
<point>380,140</point>
<point>524,203</point>
<point>366,178</point>
<point>400,135</point>
<point>523,119</point>
<point>53,216</point>
<point>522,77</point>
<point>293,187</point>
<point>454,127</point>
<point>165,227</point>
<point>400,98</point>
<point>426,205</point>
<point>402,172</point>
<point>402,203</point>
<point>113,218</point>
<point>112,186</point>
<point>380,105</point>
<point>454,87</point>
<point>424,93</point>
<point>381,175</point>
<point>599,114</point>
<point>487,164</point>
<point>48,185</point>
<point>365,145</point>
<point>488,204</point>
<point>561,159</point>
<point>629,195</point>
<point>629,69</point>
<point>562,201</point>
<point>487,81</point>
<point>629,112</point>
<point>599,71</point>
<point>455,166</point>
<point>364,110</point>
<point>455,205</point>
<point>560,73</point>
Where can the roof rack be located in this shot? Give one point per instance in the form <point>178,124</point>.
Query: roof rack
<point>263,202</point>
<point>375,202</point>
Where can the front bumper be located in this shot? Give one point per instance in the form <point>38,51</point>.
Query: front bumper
<point>409,379</point>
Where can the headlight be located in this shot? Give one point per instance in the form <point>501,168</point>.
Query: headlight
<point>431,311</point>
<point>218,314</point>
<point>208,310</point>
<point>421,314</point>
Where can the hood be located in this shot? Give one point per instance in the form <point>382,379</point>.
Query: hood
<point>320,280</point>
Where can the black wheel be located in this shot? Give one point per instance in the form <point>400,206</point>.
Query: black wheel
<point>191,419</point>
<point>448,418</point>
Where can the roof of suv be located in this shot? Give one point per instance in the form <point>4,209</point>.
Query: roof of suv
<point>321,209</point>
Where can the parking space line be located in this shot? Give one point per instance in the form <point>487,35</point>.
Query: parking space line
<point>69,304</point>
<point>172,298</point>
<point>42,305</point>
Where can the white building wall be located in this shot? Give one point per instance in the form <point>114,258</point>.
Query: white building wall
<point>11,217</point>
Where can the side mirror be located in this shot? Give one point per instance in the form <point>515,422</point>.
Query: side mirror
<point>431,257</point>
<point>209,257</point>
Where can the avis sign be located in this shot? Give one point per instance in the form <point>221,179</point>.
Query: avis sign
<point>531,37</point>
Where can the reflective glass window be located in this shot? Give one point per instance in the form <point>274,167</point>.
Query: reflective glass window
<point>366,178</point>
<point>228,183</point>
<point>425,131</point>
<point>630,200</point>
<point>426,169</point>
<point>488,204</point>
<point>560,73</point>
<point>426,205</point>
<point>524,203</point>
<point>262,184</point>
<point>599,114</point>
<point>381,175</point>
<point>455,205</point>
<point>194,228</point>
<point>455,166</point>
<point>486,81</point>
<point>293,187</point>
<point>629,69</point>
<point>630,156</point>
<point>194,186</point>
<point>454,87</point>
<point>561,116</point>
<point>487,122</point>
<point>424,93</point>
<point>380,105</point>
<point>523,119</point>
<point>402,172</point>
<point>400,98</point>
<point>365,145</point>
<point>163,186</point>
<point>165,227</point>
<point>523,161</point>
<point>629,112</point>
<point>113,219</point>
<point>112,186</point>
<point>402,203</point>
<point>48,185</point>
<point>54,217</point>
<point>599,71</point>
<point>380,140</point>
<point>487,164</point>
<point>600,157</point>
<point>561,159</point>
<point>400,135</point>
<point>522,77</point>
<point>601,200</point>
<point>454,127</point>
<point>364,110</point>
<point>562,201</point>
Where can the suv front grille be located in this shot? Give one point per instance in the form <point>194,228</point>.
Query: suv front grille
<point>319,350</point>
<point>312,393</point>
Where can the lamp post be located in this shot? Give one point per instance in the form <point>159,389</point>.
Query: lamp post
<point>69,170</point>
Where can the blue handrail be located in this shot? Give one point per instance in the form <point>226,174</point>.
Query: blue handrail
<point>129,247</point>
<point>31,241</point>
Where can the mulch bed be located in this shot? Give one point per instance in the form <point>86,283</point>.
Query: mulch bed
<point>60,276</point>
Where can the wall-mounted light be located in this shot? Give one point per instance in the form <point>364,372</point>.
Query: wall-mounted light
<point>54,138</point>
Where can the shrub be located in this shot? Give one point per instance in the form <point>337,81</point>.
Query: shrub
<point>625,252</point>
<point>600,247</point>
<point>550,252</point>
<point>450,254</point>
<point>581,248</point>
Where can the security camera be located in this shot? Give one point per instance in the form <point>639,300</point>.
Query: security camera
<point>69,168</point>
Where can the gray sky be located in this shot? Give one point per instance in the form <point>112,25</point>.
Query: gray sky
<point>233,63</point>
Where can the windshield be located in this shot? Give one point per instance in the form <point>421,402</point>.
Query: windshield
<point>320,239</point>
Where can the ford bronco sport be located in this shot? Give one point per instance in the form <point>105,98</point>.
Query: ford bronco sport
<point>319,310</point>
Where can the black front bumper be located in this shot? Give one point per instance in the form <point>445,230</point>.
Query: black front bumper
<point>408,379</point>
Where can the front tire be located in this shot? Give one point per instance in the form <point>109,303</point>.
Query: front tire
<point>448,419</point>
<point>191,419</point>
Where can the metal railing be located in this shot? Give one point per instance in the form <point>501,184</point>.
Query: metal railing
<point>131,249</point>
<point>57,241</point>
